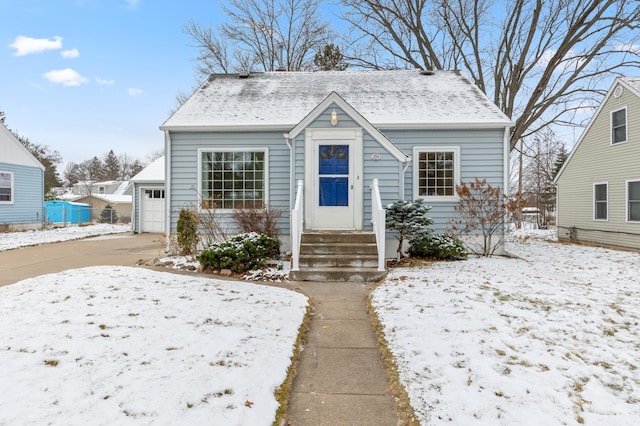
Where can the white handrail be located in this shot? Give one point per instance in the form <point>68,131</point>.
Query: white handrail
<point>378,219</point>
<point>297,222</point>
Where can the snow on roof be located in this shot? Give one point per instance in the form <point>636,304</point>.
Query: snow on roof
<point>154,172</point>
<point>121,188</point>
<point>385,98</point>
<point>114,198</point>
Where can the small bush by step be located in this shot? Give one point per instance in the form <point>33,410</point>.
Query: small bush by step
<point>241,253</point>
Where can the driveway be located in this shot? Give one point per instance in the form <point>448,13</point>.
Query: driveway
<point>114,249</point>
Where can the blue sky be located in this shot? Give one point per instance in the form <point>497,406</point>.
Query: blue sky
<point>87,76</point>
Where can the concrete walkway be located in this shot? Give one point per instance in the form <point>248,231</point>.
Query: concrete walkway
<point>341,379</point>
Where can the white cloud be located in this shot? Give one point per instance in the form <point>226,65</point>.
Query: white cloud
<point>66,77</point>
<point>134,92</point>
<point>104,82</point>
<point>70,54</point>
<point>628,47</point>
<point>27,45</point>
<point>132,3</point>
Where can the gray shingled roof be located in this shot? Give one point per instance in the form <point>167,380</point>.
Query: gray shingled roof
<point>387,99</point>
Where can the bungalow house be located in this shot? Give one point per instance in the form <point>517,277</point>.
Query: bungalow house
<point>329,150</point>
<point>21,185</point>
<point>148,198</point>
<point>598,187</point>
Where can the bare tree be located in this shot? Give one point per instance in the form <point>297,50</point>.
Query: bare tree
<point>539,60</point>
<point>271,34</point>
<point>541,153</point>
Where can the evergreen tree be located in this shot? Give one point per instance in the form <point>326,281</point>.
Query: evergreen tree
<point>410,219</point>
<point>136,168</point>
<point>111,170</point>
<point>330,59</point>
<point>108,214</point>
<point>94,169</point>
<point>561,157</point>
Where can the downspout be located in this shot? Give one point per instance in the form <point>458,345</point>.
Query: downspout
<point>404,172</point>
<point>167,189</point>
<point>507,172</point>
<point>292,194</point>
<point>289,143</point>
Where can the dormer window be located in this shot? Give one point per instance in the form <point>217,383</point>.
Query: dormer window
<point>619,126</point>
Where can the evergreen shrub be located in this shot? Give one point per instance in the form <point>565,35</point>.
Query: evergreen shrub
<point>187,230</point>
<point>438,246</point>
<point>241,253</point>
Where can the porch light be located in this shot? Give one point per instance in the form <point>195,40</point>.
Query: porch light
<point>334,118</point>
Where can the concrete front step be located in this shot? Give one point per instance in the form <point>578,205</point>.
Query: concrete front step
<point>334,256</point>
<point>338,248</point>
<point>339,260</point>
<point>337,274</point>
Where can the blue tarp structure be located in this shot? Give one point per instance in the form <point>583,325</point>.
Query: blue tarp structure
<point>67,212</point>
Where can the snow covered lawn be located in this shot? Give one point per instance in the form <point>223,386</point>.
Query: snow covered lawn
<point>12,240</point>
<point>552,338</point>
<point>119,345</point>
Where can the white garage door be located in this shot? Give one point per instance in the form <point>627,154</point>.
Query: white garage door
<point>152,210</point>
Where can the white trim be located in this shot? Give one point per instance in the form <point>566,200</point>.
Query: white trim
<point>626,200</point>
<point>27,154</point>
<point>626,126</point>
<point>456,172</point>
<point>244,149</point>
<point>593,202</point>
<point>287,127</point>
<point>167,188</point>
<point>11,186</point>
<point>507,163</point>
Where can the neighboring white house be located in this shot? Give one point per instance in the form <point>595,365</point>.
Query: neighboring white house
<point>21,185</point>
<point>598,188</point>
<point>148,198</point>
<point>266,139</point>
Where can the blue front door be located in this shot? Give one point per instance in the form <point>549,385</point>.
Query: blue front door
<point>333,171</point>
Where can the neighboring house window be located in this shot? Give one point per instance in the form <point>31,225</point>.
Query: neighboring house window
<point>633,201</point>
<point>436,172</point>
<point>6,187</point>
<point>619,126</point>
<point>234,179</point>
<point>101,189</point>
<point>600,201</point>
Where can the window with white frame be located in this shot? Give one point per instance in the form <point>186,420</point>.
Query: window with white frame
<point>6,187</point>
<point>633,201</point>
<point>233,179</point>
<point>436,172</point>
<point>619,126</point>
<point>600,201</point>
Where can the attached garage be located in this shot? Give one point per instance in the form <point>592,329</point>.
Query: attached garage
<point>148,198</point>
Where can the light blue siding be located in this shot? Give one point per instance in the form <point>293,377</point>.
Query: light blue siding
<point>28,196</point>
<point>184,170</point>
<point>481,156</point>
